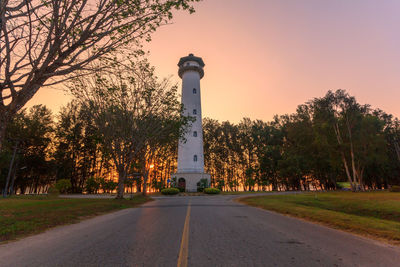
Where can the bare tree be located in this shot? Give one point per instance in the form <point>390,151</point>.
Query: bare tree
<point>133,112</point>
<point>43,41</point>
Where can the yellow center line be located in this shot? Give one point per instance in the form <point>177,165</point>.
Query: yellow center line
<point>184,250</point>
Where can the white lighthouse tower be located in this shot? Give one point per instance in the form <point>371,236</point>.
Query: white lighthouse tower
<point>190,149</point>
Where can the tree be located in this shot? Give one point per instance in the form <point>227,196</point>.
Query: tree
<point>79,153</point>
<point>30,134</point>
<point>359,134</point>
<point>170,129</point>
<point>132,110</point>
<point>43,42</point>
<point>270,155</point>
<point>63,185</point>
<point>92,185</point>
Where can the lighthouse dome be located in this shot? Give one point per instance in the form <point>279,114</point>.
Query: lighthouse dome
<point>192,63</point>
<point>192,58</point>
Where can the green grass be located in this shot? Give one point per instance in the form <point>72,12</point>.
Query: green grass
<point>373,214</point>
<point>21,216</point>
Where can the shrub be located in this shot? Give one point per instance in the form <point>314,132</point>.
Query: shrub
<point>63,185</point>
<point>203,183</point>
<point>212,190</point>
<point>109,186</point>
<point>92,185</point>
<point>394,188</point>
<point>181,189</point>
<point>170,191</point>
<point>53,192</point>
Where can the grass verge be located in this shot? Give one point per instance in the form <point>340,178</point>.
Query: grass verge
<point>21,216</point>
<point>372,214</point>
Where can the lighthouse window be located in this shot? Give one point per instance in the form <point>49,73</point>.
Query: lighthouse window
<point>195,134</point>
<point>194,111</point>
<point>194,91</point>
<point>195,158</point>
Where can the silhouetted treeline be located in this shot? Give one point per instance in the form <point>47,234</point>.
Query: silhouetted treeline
<point>49,148</point>
<point>328,140</point>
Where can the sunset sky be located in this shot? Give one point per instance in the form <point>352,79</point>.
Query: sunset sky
<point>264,57</point>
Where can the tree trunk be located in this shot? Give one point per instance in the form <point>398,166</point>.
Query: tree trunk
<point>121,184</point>
<point>13,177</point>
<point>346,167</point>
<point>138,186</point>
<point>5,192</point>
<point>340,142</point>
<point>353,165</point>
<point>360,179</point>
<point>2,133</point>
<point>145,178</point>
<point>397,148</point>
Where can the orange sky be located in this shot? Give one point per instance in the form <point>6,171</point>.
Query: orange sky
<point>264,57</point>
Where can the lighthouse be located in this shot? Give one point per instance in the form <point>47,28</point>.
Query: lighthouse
<point>190,149</point>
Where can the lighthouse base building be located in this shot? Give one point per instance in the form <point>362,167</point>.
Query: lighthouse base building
<point>190,181</point>
<point>190,150</point>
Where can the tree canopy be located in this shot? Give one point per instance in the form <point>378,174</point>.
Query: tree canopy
<point>133,111</point>
<point>45,42</point>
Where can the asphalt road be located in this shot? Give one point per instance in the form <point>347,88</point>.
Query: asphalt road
<point>196,231</point>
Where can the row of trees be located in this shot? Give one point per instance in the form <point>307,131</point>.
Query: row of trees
<point>123,118</point>
<point>113,133</point>
<point>44,43</point>
<point>120,124</point>
<point>327,140</point>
